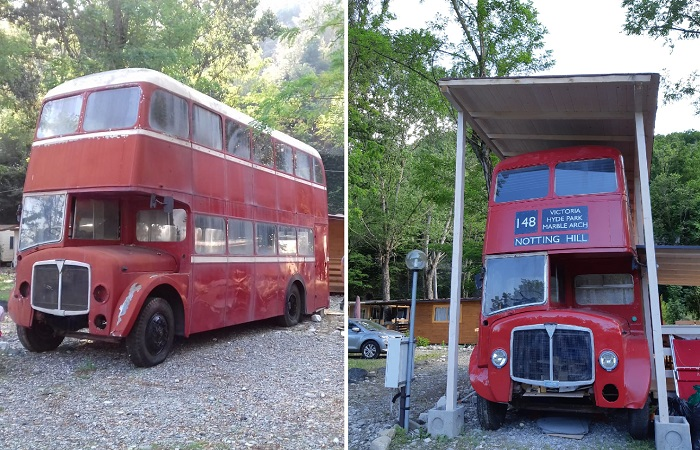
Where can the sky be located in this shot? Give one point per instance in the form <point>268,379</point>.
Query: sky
<point>586,37</point>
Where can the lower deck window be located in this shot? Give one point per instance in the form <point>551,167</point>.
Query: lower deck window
<point>96,219</point>
<point>154,225</point>
<point>210,235</point>
<point>604,289</point>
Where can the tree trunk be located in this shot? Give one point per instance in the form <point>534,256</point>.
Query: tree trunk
<point>386,279</point>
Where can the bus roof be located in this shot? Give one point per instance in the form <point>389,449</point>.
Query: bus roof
<point>138,75</point>
<point>517,115</point>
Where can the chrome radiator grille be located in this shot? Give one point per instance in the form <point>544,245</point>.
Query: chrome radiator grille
<point>61,287</point>
<point>552,355</point>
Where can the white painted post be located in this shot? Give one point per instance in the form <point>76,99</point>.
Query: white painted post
<point>651,269</point>
<point>456,280</point>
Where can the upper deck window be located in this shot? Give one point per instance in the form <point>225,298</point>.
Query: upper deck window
<point>111,109</point>
<point>237,139</point>
<point>318,171</point>
<point>303,165</point>
<point>593,176</point>
<point>522,184</point>
<point>206,128</point>
<point>262,150</point>
<point>285,158</point>
<point>168,114</point>
<point>60,117</point>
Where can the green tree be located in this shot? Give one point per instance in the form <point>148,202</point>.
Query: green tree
<point>499,38</point>
<point>669,20</point>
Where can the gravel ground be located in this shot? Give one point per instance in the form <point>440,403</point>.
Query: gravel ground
<point>370,410</point>
<point>254,386</point>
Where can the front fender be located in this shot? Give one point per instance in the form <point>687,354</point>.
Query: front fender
<point>637,372</point>
<point>134,297</point>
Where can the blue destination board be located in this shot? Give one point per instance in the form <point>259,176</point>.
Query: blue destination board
<point>552,239</point>
<point>569,218</point>
<point>526,221</point>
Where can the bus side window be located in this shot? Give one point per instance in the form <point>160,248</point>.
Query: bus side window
<point>285,158</point>
<point>262,150</point>
<point>318,171</point>
<point>240,237</point>
<point>154,225</point>
<point>168,113</point>
<point>237,139</point>
<point>305,241</point>
<point>265,239</point>
<point>206,128</point>
<point>303,165</point>
<point>287,240</point>
<point>212,239</point>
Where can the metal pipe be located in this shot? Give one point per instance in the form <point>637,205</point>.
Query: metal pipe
<point>411,346</point>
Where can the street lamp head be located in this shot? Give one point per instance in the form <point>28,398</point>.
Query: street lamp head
<point>416,260</point>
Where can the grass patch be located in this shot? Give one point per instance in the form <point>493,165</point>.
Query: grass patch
<point>368,364</point>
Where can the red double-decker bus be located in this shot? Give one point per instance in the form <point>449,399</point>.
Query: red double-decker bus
<point>151,210</point>
<point>562,321</point>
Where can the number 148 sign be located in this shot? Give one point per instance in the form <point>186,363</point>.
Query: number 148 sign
<point>526,221</point>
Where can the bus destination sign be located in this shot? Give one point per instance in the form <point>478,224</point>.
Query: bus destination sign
<point>566,221</point>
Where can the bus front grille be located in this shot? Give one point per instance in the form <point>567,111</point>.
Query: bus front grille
<point>61,287</point>
<point>552,355</point>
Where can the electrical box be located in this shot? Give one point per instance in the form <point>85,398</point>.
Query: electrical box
<point>396,359</point>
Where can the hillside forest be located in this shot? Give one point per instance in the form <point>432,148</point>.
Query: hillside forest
<point>284,67</point>
<point>402,134</point>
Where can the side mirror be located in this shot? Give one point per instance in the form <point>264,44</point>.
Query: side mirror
<point>355,329</point>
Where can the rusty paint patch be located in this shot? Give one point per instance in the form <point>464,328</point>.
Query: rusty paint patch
<point>127,301</point>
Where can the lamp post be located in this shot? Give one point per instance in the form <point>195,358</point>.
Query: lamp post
<point>415,261</point>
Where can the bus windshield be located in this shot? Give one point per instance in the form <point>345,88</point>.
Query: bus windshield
<point>514,281</point>
<point>42,220</point>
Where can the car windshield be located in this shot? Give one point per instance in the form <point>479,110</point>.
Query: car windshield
<point>370,325</point>
<point>514,281</point>
<point>42,220</point>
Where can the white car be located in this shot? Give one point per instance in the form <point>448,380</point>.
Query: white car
<point>368,338</point>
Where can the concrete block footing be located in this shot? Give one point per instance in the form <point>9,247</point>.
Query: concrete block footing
<point>674,435</point>
<point>447,423</point>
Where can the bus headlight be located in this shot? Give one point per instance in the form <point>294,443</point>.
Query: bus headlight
<point>499,358</point>
<point>608,360</point>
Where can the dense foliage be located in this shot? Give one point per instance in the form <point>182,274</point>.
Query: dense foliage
<point>402,136</point>
<point>229,49</point>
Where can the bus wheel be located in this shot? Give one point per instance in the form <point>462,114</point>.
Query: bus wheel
<point>292,308</point>
<point>151,338</point>
<point>491,414</point>
<point>39,338</point>
<point>638,422</point>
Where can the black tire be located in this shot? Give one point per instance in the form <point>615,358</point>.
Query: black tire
<point>151,338</point>
<point>638,421</point>
<point>292,308</point>
<point>370,350</point>
<point>39,338</point>
<point>491,414</point>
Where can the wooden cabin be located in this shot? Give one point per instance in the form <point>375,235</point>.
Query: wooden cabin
<point>432,317</point>
<point>336,250</point>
